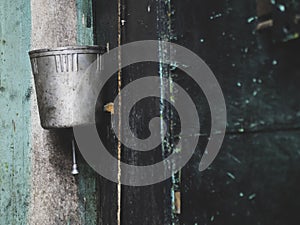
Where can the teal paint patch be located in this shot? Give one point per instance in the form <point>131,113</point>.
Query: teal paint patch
<point>88,197</point>
<point>15,91</point>
<point>85,22</point>
<point>87,178</point>
<point>165,33</point>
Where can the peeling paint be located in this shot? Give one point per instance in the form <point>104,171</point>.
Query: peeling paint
<point>14,131</point>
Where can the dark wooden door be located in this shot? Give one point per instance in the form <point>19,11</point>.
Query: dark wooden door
<point>255,178</point>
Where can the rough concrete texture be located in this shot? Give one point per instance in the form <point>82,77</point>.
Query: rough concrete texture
<point>53,23</point>
<point>54,198</point>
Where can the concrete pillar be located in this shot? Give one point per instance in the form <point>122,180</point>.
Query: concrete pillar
<point>54,192</point>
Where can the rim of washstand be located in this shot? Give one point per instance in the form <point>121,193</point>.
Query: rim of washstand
<point>82,49</point>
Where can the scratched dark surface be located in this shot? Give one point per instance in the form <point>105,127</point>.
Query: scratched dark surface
<point>140,205</point>
<point>255,178</point>
<point>106,19</point>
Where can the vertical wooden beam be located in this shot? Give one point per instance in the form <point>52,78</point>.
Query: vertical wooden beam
<point>87,179</point>
<point>85,22</point>
<point>106,34</point>
<point>54,192</point>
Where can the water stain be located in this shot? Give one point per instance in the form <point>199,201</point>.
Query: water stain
<point>28,94</point>
<point>14,125</point>
<point>12,96</point>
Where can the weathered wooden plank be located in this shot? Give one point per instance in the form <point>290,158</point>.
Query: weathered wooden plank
<point>254,180</point>
<point>85,22</point>
<point>150,204</point>
<point>106,34</point>
<point>259,79</point>
<point>88,185</point>
<point>139,205</point>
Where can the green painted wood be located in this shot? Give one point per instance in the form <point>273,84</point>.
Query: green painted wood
<point>88,194</point>
<point>87,178</point>
<point>85,30</point>
<point>15,92</point>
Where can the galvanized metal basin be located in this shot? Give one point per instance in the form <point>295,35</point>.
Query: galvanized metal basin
<point>57,75</point>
